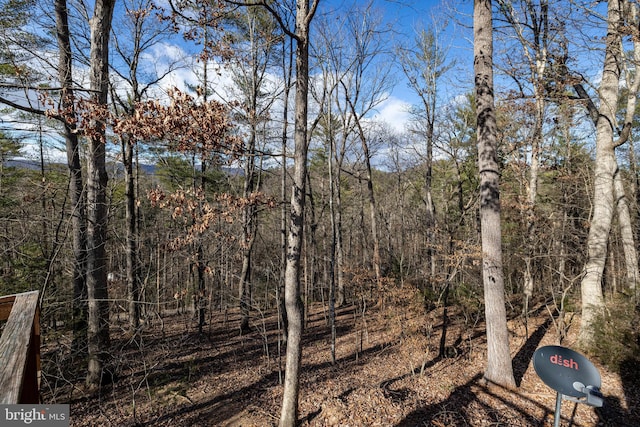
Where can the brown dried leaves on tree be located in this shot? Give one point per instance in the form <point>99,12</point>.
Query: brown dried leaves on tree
<point>185,124</point>
<point>83,115</point>
<point>199,212</point>
<point>204,128</point>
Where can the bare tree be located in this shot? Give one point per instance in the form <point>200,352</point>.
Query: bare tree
<point>530,26</point>
<point>287,69</point>
<point>258,35</point>
<point>606,169</point>
<point>145,34</point>
<point>499,369</point>
<point>305,12</point>
<point>424,63</point>
<point>293,302</point>
<point>365,86</point>
<point>335,126</point>
<point>76,189</point>
<point>632,80</point>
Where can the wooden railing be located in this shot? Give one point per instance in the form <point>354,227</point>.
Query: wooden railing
<point>20,348</point>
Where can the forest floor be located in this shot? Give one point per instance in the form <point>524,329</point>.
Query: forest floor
<point>387,373</point>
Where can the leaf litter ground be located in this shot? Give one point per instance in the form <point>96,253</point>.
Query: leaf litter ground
<point>387,373</point>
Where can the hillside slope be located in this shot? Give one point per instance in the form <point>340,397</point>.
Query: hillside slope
<point>387,373</point>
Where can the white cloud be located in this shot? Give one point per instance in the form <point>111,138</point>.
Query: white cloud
<point>394,112</point>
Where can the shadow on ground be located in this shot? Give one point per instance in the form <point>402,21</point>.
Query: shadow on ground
<point>614,412</point>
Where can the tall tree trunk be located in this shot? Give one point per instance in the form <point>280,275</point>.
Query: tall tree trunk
<point>98,335</point>
<point>288,66</point>
<point>201,298</point>
<point>335,160</point>
<point>76,188</point>
<point>249,226</point>
<point>374,222</point>
<point>605,169</point>
<point>499,369</point>
<point>340,279</point>
<point>293,302</point>
<point>532,191</point>
<point>430,209</point>
<point>131,250</point>
<point>626,233</point>
<point>253,86</point>
<point>624,219</point>
<point>424,66</point>
<point>334,238</point>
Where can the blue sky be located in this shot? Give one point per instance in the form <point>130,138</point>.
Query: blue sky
<point>407,17</point>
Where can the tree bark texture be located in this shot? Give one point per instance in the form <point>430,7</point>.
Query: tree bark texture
<point>287,58</point>
<point>499,369</point>
<point>292,295</point>
<point>98,333</point>
<point>76,188</point>
<point>626,233</point>
<point>606,168</point>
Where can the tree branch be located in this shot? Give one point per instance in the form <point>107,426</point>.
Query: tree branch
<point>273,12</point>
<point>591,107</point>
<point>26,109</point>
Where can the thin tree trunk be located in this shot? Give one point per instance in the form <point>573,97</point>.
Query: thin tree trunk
<point>374,224</point>
<point>293,302</point>
<point>334,241</point>
<point>430,208</point>
<point>253,87</point>
<point>131,250</point>
<point>199,264</point>
<point>499,369</point>
<point>532,194</point>
<point>372,204</point>
<point>534,46</point>
<point>283,187</point>
<point>340,279</point>
<point>249,225</point>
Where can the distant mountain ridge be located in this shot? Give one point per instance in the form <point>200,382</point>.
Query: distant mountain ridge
<point>148,169</point>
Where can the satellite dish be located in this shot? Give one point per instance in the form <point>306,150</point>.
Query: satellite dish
<point>569,373</point>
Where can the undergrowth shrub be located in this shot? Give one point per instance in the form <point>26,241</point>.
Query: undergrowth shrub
<point>617,335</point>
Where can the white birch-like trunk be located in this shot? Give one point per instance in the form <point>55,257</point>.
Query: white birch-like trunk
<point>626,233</point>
<point>605,169</point>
